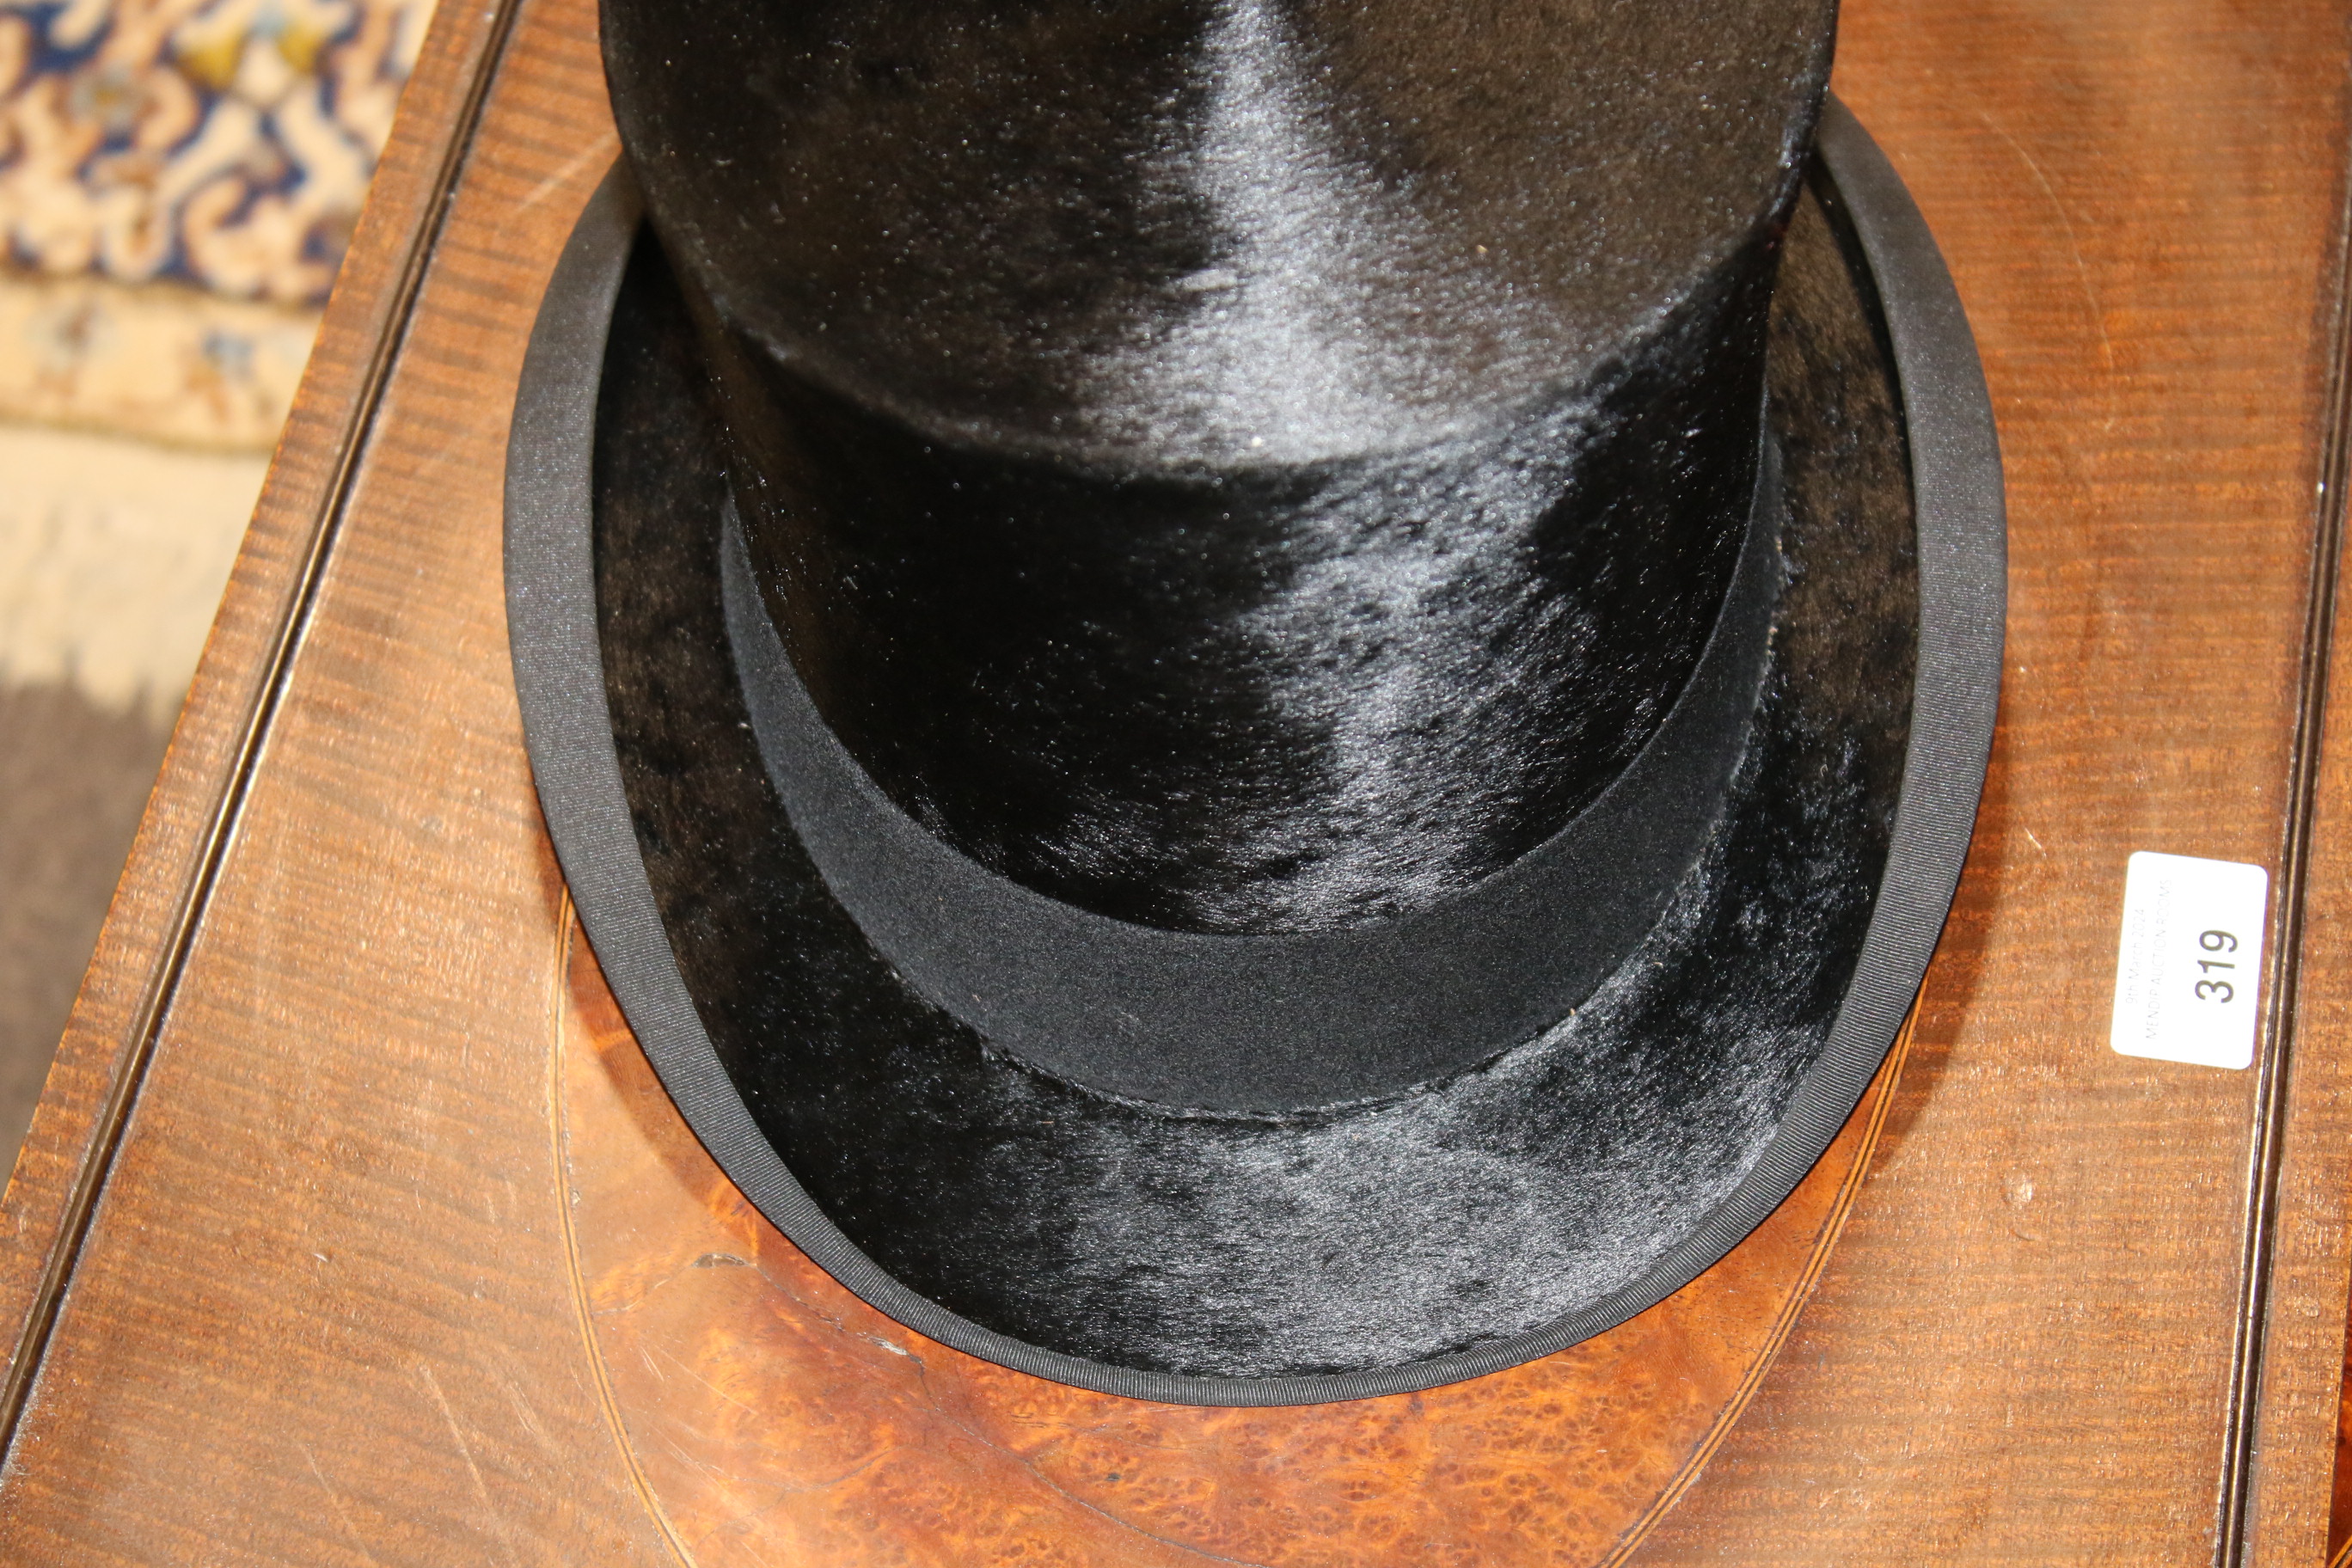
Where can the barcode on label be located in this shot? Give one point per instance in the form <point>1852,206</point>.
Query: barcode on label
<point>2188,968</point>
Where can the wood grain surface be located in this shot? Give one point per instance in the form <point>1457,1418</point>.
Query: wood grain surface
<point>294,1243</point>
<point>2025,1350</point>
<point>774,1417</point>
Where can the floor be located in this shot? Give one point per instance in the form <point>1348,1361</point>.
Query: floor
<point>113,552</point>
<point>177,181</point>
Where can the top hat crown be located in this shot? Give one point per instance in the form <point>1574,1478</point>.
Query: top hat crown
<point>1234,467</point>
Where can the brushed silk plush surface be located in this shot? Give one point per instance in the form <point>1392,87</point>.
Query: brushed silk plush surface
<point>1270,1021</point>
<point>1369,1235</point>
<point>1208,463</point>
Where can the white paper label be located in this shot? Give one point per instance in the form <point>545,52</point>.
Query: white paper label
<point>2189,966</point>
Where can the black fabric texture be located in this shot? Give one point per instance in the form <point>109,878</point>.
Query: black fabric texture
<point>1344,515</point>
<point>1268,1022</point>
<point>1365,1235</point>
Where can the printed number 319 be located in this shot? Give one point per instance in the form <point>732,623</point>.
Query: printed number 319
<point>2215,941</point>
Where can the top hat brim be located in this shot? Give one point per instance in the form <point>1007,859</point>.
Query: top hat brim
<point>1440,1233</point>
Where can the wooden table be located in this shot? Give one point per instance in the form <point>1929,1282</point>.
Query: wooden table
<point>338,1234</point>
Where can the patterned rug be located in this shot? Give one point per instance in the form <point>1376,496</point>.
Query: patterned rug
<point>178,179</point>
<point>178,182</point>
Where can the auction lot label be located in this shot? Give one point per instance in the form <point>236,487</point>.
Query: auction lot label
<point>2189,967</point>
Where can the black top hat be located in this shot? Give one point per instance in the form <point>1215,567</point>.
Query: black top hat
<point>1255,703</point>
